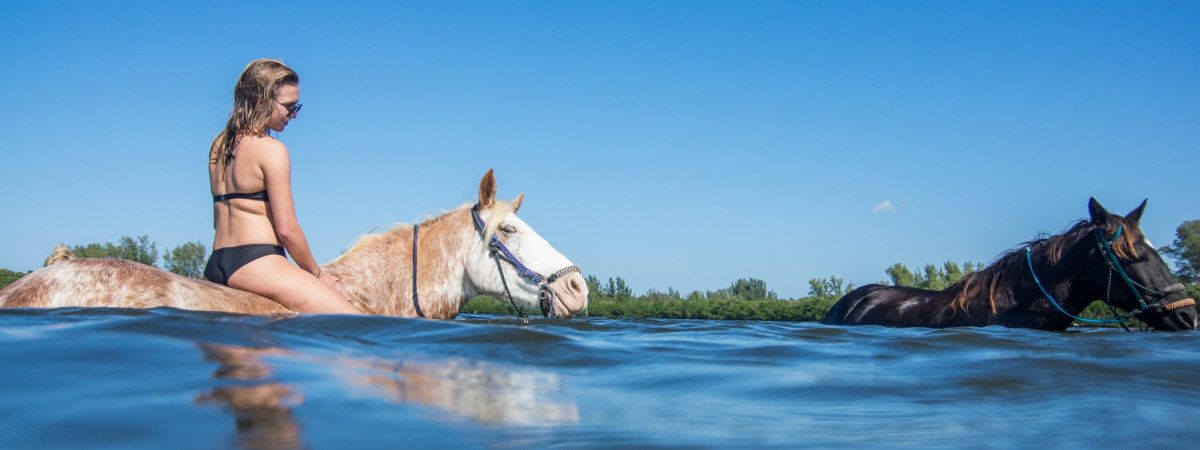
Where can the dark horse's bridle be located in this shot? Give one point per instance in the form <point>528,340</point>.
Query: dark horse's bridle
<point>547,295</point>
<point>1114,266</point>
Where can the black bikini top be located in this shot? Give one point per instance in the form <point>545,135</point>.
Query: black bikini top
<point>260,195</point>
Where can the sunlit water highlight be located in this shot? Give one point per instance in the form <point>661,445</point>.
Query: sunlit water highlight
<point>180,379</point>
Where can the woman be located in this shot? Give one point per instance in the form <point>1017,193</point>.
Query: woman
<point>255,220</point>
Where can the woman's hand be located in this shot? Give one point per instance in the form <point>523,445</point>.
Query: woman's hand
<point>334,283</point>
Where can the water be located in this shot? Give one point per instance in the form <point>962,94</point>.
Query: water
<point>179,379</point>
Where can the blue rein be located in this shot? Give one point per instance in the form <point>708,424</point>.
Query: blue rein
<point>1114,264</point>
<point>1029,259</point>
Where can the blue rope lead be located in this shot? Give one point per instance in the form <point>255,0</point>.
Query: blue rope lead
<point>1029,259</point>
<point>416,303</point>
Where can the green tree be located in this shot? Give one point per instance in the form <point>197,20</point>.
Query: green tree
<point>834,287</point>
<point>90,251</point>
<point>931,277</point>
<point>617,290</point>
<point>1185,250</point>
<point>901,276</point>
<point>751,289</point>
<point>187,260</point>
<point>593,285</point>
<point>140,250</point>
<point>7,277</point>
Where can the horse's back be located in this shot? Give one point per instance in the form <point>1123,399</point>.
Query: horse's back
<point>843,312</point>
<point>902,306</point>
<point>117,283</point>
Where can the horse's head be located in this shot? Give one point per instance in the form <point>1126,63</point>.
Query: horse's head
<point>1141,282</point>
<point>514,263</point>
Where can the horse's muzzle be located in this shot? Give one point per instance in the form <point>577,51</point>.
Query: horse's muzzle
<point>1178,315</point>
<point>565,296</point>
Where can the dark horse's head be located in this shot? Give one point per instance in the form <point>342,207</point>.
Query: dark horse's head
<point>1140,281</point>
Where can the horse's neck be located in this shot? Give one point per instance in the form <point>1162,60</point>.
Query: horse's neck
<point>1061,281</point>
<point>378,274</point>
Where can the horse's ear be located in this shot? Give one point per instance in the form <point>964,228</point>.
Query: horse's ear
<point>487,189</point>
<point>517,203</point>
<point>1099,214</point>
<point>1135,216</point>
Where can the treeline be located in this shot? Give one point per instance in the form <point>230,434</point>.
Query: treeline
<point>187,259</point>
<point>744,299</point>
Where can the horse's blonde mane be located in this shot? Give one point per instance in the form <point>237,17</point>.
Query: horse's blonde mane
<point>499,210</point>
<point>61,253</point>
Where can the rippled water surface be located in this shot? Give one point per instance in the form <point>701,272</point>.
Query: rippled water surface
<point>180,379</point>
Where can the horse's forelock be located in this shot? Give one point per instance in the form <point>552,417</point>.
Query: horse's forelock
<point>1125,245</point>
<point>500,210</point>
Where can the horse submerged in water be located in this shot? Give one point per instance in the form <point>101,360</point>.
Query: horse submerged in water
<point>426,270</point>
<point>1043,285</point>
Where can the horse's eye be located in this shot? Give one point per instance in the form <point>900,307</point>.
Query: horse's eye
<point>508,228</point>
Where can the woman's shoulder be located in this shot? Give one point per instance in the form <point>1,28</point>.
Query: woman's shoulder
<point>261,142</point>
<point>263,147</point>
<point>265,151</point>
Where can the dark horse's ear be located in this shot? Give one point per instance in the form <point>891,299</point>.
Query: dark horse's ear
<point>1135,216</point>
<point>487,190</point>
<point>1099,214</point>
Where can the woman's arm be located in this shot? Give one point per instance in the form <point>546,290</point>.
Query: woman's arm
<point>277,175</point>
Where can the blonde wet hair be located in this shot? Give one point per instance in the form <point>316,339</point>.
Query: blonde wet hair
<point>253,100</point>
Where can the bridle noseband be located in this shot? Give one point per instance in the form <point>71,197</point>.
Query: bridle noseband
<point>1114,266</point>
<point>547,295</point>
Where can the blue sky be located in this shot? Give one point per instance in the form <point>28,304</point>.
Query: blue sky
<point>673,144</point>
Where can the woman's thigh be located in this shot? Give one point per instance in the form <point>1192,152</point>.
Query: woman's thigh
<point>272,276</point>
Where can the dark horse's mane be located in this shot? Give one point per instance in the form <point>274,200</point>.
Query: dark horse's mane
<point>1046,249</point>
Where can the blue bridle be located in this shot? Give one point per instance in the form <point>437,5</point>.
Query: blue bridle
<point>546,293</point>
<point>1114,265</point>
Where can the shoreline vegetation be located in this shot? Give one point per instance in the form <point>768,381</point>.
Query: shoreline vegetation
<point>744,299</point>
<point>734,303</point>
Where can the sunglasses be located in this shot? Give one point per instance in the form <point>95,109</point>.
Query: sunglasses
<point>292,109</point>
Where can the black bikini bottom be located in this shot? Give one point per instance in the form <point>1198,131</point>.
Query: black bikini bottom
<point>225,261</point>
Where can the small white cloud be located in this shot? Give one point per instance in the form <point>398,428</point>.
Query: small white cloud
<point>886,206</point>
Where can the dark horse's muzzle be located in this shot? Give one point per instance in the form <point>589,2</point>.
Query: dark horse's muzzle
<point>1170,315</point>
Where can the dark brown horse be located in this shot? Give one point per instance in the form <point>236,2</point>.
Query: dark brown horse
<point>1042,285</point>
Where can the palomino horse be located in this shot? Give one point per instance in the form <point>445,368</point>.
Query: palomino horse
<point>1043,285</point>
<point>476,249</point>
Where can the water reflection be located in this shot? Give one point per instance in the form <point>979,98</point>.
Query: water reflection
<point>465,389</point>
<point>479,391</point>
<point>261,407</point>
